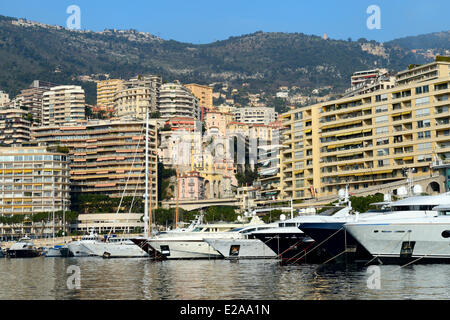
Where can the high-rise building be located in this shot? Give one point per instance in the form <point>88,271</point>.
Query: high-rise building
<point>14,127</point>
<point>256,115</point>
<point>106,156</point>
<point>369,140</point>
<point>33,180</point>
<point>63,104</point>
<point>136,95</point>
<point>106,91</point>
<point>178,101</point>
<point>203,93</point>
<point>30,99</point>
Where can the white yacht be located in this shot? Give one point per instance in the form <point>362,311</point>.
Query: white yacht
<point>115,247</point>
<point>191,245</point>
<point>422,239</point>
<point>58,251</point>
<point>335,240</point>
<point>24,248</point>
<point>78,248</point>
<point>246,247</point>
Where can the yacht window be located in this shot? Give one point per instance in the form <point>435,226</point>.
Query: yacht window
<point>197,230</point>
<point>446,234</point>
<point>291,225</point>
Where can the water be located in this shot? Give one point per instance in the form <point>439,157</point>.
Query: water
<point>137,279</point>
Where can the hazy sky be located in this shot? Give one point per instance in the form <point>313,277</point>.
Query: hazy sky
<point>201,21</point>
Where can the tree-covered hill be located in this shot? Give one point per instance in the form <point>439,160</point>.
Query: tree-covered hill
<point>264,60</point>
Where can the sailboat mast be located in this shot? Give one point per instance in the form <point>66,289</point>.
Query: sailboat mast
<point>178,197</point>
<point>146,216</point>
<point>53,212</point>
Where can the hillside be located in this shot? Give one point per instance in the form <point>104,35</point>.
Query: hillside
<point>264,60</point>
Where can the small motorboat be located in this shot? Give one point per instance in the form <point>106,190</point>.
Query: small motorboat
<point>24,248</point>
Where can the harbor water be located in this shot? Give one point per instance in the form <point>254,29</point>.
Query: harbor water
<point>142,279</point>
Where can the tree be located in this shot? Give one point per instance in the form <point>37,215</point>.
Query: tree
<point>272,216</point>
<point>246,176</point>
<point>218,213</point>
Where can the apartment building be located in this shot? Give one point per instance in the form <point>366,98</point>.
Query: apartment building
<point>33,180</point>
<point>192,186</point>
<point>63,104</point>
<point>176,100</point>
<point>135,101</point>
<point>269,162</point>
<point>14,127</point>
<point>216,121</point>
<point>4,99</point>
<point>30,100</point>
<point>106,91</point>
<point>256,115</point>
<point>370,139</point>
<point>106,157</point>
<point>360,77</point>
<point>136,95</point>
<point>204,94</point>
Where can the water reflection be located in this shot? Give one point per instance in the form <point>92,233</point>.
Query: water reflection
<point>135,279</point>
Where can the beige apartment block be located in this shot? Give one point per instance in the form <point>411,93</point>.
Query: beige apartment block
<point>63,104</point>
<point>33,180</point>
<point>134,102</point>
<point>203,93</point>
<point>370,139</point>
<point>106,91</point>
<point>106,157</point>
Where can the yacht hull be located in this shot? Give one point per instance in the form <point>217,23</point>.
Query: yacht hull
<point>333,237</point>
<point>290,247</point>
<point>23,253</point>
<point>242,248</point>
<point>404,242</point>
<point>115,250</point>
<point>78,250</point>
<point>58,253</point>
<point>172,249</point>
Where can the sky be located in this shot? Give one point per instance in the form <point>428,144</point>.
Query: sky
<point>205,21</point>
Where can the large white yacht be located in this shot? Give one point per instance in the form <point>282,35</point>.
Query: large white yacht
<point>335,240</point>
<point>78,248</point>
<point>191,245</point>
<point>246,247</point>
<point>114,247</point>
<point>424,238</point>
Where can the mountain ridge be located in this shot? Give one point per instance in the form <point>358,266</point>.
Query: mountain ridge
<point>264,60</point>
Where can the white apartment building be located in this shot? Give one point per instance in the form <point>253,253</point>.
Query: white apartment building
<point>175,100</point>
<point>256,115</point>
<point>63,104</point>
<point>33,180</point>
